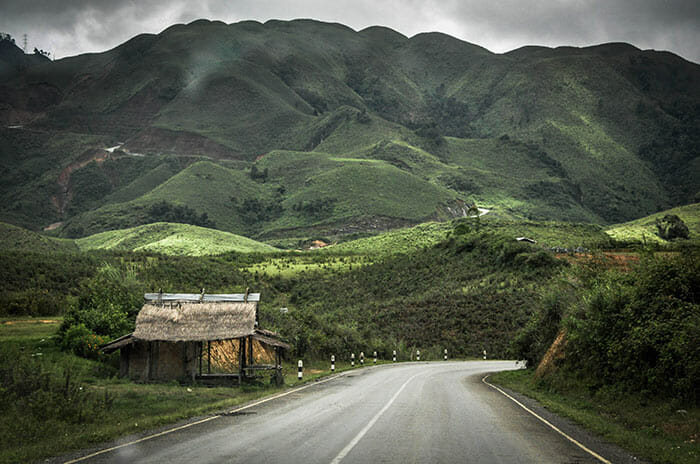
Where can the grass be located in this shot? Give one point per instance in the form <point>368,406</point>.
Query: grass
<point>18,239</point>
<point>543,134</point>
<point>28,328</point>
<point>173,239</point>
<point>652,429</point>
<point>643,230</point>
<point>293,265</point>
<point>128,408</point>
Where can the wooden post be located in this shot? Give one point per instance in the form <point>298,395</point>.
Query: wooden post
<point>208,357</point>
<point>250,351</point>
<point>241,356</point>
<point>201,353</point>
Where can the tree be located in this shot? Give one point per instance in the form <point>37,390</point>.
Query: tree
<point>473,211</point>
<point>671,227</point>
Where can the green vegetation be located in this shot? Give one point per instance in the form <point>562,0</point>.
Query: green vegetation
<point>54,401</point>
<point>20,239</point>
<point>172,239</point>
<point>361,132</point>
<point>655,429</point>
<point>626,353</point>
<point>467,284</point>
<point>645,229</point>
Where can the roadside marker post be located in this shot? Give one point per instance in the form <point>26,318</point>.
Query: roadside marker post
<point>417,355</point>
<point>375,357</point>
<point>300,365</point>
<point>484,354</point>
<point>362,358</point>
<point>352,359</point>
<point>445,354</point>
<point>393,357</point>
<point>332,363</point>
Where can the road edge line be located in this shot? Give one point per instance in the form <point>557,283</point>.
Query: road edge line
<point>206,419</point>
<point>552,426</point>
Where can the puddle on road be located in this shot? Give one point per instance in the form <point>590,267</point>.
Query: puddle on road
<point>237,413</point>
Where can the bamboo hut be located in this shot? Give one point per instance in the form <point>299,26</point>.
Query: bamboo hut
<point>198,337</point>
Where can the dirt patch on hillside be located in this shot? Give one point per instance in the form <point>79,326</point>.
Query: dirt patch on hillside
<point>156,140</point>
<point>31,321</point>
<point>553,354</point>
<point>620,260</point>
<point>61,199</point>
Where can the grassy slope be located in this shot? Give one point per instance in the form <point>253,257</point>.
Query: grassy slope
<point>310,86</point>
<point>643,229</point>
<point>18,239</point>
<point>172,239</point>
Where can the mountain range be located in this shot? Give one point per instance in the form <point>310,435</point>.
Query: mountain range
<point>301,128</point>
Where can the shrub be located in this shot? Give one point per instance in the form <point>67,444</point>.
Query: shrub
<point>639,330</point>
<point>82,342</point>
<point>37,393</point>
<point>671,227</point>
<point>107,304</point>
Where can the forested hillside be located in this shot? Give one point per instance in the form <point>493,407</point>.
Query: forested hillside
<point>305,128</point>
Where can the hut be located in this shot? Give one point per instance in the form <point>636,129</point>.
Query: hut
<point>198,337</point>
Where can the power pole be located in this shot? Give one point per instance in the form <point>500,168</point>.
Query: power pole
<point>25,43</point>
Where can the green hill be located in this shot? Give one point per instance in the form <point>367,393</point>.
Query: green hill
<point>172,239</point>
<point>18,239</point>
<point>599,134</point>
<point>644,229</point>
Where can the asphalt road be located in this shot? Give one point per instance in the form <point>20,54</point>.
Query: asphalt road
<point>439,412</point>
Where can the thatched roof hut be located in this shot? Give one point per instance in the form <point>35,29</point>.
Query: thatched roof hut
<point>172,330</point>
<point>181,322</point>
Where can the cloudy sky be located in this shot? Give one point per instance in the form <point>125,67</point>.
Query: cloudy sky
<point>69,27</point>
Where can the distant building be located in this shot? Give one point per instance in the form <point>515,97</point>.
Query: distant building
<point>525,239</point>
<point>316,244</point>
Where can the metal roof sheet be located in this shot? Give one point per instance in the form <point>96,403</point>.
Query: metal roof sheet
<point>208,297</point>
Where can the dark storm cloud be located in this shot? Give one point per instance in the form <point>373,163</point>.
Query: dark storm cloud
<point>75,26</point>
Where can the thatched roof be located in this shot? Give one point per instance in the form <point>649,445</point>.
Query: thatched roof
<point>118,343</point>
<point>195,321</point>
<point>269,338</point>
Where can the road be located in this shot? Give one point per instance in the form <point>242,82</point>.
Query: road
<point>438,412</point>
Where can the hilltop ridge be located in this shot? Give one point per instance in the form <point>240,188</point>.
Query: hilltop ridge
<point>601,134</point>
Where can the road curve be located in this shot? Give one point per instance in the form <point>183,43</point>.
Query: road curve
<point>439,412</point>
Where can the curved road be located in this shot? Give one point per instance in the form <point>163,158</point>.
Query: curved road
<point>439,412</point>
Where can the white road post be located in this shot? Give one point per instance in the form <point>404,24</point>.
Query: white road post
<point>332,363</point>
<point>362,358</point>
<point>300,365</point>
<point>393,358</point>
<point>484,354</point>
<point>352,359</point>
<point>375,357</point>
<point>445,354</point>
<point>417,355</point>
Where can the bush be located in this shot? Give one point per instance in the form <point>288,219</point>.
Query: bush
<point>671,227</point>
<point>82,342</point>
<point>37,398</point>
<point>533,341</point>
<point>639,331</point>
<point>107,305</point>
